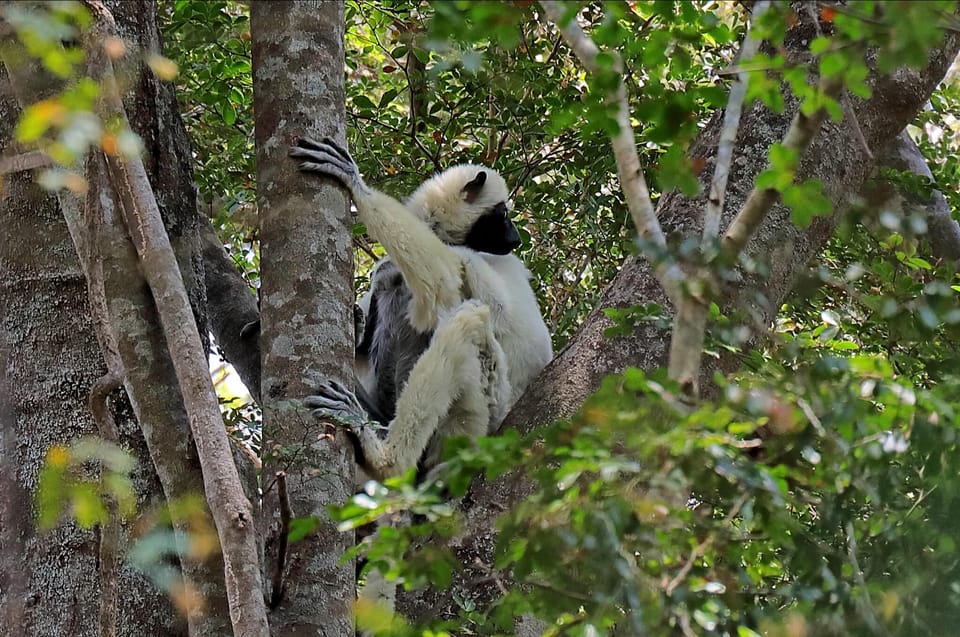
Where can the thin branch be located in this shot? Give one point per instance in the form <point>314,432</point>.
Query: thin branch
<point>231,510</point>
<point>728,136</point>
<point>629,169</point>
<point>109,530</point>
<point>701,549</point>
<point>798,137</point>
<point>276,596</point>
<point>25,161</point>
<point>624,146</point>
<point>866,606</point>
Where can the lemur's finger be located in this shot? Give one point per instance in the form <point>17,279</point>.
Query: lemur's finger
<point>326,169</point>
<point>322,155</point>
<point>306,142</point>
<point>339,150</point>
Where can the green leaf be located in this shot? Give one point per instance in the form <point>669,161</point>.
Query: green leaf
<point>302,527</point>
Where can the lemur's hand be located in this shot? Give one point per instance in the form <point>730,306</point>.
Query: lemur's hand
<point>329,158</point>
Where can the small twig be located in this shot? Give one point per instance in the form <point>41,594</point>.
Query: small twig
<point>865,605</point>
<point>700,549</point>
<point>25,161</point>
<point>629,169</point>
<point>276,595</point>
<point>492,575</point>
<point>97,402</point>
<point>728,136</point>
<point>110,529</point>
<point>851,116</point>
<point>923,496</point>
<point>798,138</point>
<point>624,146</point>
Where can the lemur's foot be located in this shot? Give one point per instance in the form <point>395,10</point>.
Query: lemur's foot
<point>336,402</point>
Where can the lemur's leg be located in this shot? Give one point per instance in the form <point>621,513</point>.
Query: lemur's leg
<point>460,383</point>
<point>429,267</point>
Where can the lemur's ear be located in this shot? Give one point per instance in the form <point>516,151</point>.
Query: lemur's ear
<point>472,190</point>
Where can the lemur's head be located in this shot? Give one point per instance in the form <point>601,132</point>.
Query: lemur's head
<point>468,205</point>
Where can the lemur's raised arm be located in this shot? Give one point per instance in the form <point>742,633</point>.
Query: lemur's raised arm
<point>432,272</point>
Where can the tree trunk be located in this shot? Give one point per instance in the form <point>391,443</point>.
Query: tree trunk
<point>149,377</point>
<point>53,360</point>
<point>306,317</point>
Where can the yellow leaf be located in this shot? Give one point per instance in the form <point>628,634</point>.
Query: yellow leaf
<point>186,598</point>
<point>108,142</point>
<point>58,456</point>
<point>114,47</point>
<point>75,183</point>
<point>164,68</point>
<point>37,118</point>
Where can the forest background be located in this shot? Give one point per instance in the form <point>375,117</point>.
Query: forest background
<point>791,472</point>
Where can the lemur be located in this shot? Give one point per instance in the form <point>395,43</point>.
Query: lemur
<point>453,333</point>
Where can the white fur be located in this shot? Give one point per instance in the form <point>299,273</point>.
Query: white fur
<point>489,338</point>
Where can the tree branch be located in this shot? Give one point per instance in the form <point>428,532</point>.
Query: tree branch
<point>629,170</point>
<point>232,512</point>
<point>728,134</point>
<point>942,231</point>
<point>798,137</point>
<point>109,530</point>
<point>230,307</point>
<point>24,161</point>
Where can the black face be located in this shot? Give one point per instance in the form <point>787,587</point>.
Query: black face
<point>494,232</point>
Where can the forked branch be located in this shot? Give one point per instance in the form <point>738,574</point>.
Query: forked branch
<point>629,169</point>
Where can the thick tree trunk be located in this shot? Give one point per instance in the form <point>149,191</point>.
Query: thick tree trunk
<point>149,377</point>
<point>53,360</point>
<point>306,298</point>
<point>837,157</point>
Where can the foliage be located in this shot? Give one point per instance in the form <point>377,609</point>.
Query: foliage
<point>815,495</point>
<point>210,42</point>
<point>178,527</point>
<point>68,123</point>
<point>66,484</point>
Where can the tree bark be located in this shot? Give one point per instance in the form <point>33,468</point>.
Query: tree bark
<point>306,298</point>
<point>52,361</point>
<point>837,157</point>
<point>942,231</point>
<point>150,379</point>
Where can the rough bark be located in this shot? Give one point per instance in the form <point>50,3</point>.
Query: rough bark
<point>231,510</point>
<point>154,115</point>
<point>837,157</point>
<point>942,231</point>
<point>14,505</point>
<point>130,327</point>
<point>150,379</point>
<point>52,361</point>
<point>306,297</point>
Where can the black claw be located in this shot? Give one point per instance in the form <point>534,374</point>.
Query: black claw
<point>309,144</point>
<point>338,150</point>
